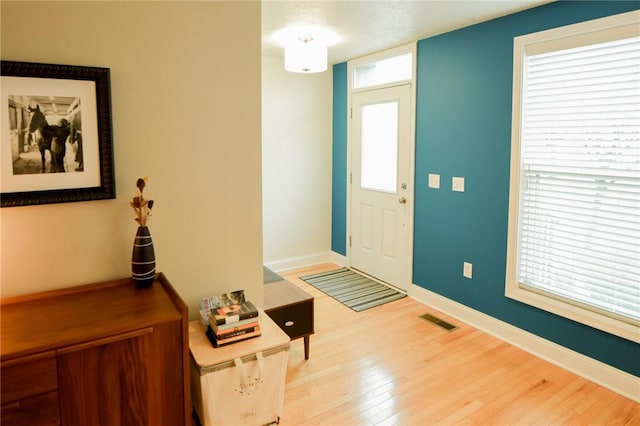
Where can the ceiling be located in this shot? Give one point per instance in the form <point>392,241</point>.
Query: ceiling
<point>361,27</point>
<point>50,106</point>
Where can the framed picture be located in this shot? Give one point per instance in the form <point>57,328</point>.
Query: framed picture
<point>55,134</point>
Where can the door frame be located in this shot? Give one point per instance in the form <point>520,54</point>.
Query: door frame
<point>351,65</point>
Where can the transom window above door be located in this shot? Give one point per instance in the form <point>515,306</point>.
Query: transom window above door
<point>389,70</point>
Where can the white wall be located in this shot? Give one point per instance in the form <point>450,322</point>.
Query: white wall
<point>185,93</point>
<point>296,161</point>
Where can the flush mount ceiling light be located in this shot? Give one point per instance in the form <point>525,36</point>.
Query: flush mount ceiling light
<point>305,55</point>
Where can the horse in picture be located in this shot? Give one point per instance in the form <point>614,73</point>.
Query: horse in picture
<point>49,137</point>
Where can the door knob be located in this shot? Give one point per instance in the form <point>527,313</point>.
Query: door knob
<point>402,200</point>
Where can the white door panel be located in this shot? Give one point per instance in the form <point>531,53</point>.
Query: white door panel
<point>380,192</point>
<point>366,227</point>
<point>389,231</point>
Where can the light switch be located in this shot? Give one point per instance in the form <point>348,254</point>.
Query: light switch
<point>434,181</point>
<point>467,270</point>
<point>457,184</point>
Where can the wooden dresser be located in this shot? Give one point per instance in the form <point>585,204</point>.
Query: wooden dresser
<point>98,354</point>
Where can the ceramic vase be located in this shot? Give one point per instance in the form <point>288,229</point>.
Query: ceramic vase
<point>143,259</point>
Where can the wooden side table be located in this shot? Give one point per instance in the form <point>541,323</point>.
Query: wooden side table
<point>291,308</point>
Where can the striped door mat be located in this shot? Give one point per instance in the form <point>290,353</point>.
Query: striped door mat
<point>353,289</point>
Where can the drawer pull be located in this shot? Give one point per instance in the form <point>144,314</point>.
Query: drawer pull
<point>289,323</point>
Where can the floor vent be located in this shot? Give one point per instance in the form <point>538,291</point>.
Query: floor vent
<point>437,321</point>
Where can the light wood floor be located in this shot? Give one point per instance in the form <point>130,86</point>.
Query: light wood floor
<point>388,366</point>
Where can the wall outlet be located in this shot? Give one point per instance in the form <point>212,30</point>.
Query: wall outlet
<point>434,181</point>
<point>467,270</point>
<point>457,184</point>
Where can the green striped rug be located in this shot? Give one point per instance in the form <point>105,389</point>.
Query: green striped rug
<point>353,289</point>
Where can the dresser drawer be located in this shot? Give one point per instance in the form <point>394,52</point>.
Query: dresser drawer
<point>37,410</point>
<point>296,320</point>
<point>28,376</point>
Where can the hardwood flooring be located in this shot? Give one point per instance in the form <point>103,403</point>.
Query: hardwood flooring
<point>389,366</point>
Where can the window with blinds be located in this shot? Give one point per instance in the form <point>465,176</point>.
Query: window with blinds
<point>574,233</point>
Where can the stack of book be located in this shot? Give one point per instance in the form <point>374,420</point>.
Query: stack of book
<point>232,322</point>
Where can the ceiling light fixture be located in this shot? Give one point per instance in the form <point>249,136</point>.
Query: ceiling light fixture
<point>305,55</point>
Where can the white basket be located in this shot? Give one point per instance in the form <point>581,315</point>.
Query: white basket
<point>247,391</point>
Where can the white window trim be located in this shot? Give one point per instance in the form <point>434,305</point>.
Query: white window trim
<point>379,56</point>
<point>538,42</point>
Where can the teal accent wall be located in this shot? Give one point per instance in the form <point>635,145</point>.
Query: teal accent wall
<point>339,157</point>
<point>463,128</point>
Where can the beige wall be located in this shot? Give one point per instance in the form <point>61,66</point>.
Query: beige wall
<point>296,169</point>
<point>185,93</point>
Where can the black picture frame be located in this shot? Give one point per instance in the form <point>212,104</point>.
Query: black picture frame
<point>88,92</point>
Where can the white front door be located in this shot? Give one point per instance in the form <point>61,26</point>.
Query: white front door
<point>381,192</point>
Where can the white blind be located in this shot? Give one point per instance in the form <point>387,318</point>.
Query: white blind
<point>579,216</point>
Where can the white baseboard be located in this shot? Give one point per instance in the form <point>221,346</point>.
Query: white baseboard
<point>304,261</point>
<point>596,371</point>
<point>339,259</point>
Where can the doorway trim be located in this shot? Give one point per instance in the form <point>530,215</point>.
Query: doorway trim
<point>351,66</point>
